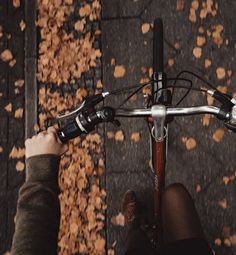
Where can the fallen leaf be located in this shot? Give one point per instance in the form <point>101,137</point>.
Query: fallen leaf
<point>17,153</point>
<point>207,63</point>
<point>177,46</point>
<point>119,71</point>
<point>198,188</point>
<point>210,99</point>
<point>226,180</point>
<point>197,52</point>
<point>118,220</point>
<point>6,56</point>
<point>111,252</point>
<point>223,203</point>
<point>190,144</point>
<point>201,40</point>
<point>79,25</point>
<point>20,166</point>
<point>233,240</point>
<point>201,30</point>
<point>16,3</point>
<point>119,136</point>
<point>145,28</point>
<point>113,61</point>
<point>8,107</point>
<point>206,120</point>
<point>192,15</point>
<point>216,34</point>
<point>19,83</point>
<point>19,113</point>
<point>171,62</point>
<point>222,89</point>
<point>22,25</point>
<point>227,242</point>
<point>135,137</point>
<point>220,72</point>
<point>195,4</point>
<point>110,135</point>
<point>99,84</point>
<point>218,135</point>
<point>85,10</point>
<point>217,242</point>
<point>12,62</point>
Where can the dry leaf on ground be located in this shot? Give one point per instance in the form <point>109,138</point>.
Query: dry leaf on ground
<point>110,135</point>
<point>118,220</point>
<point>17,152</point>
<point>198,188</point>
<point>135,137</point>
<point>12,62</point>
<point>22,25</point>
<point>19,83</point>
<point>220,72</point>
<point>190,144</point>
<point>119,136</point>
<point>207,63</point>
<point>19,113</point>
<point>227,242</point>
<point>20,166</point>
<point>119,71</point>
<point>201,40</point>
<point>171,62</point>
<point>218,135</point>
<point>206,120</point>
<point>197,52</point>
<point>6,55</point>
<point>16,3</point>
<point>223,203</point>
<point>8,107</point>
<point>218,242</point>
<point>145,28</point>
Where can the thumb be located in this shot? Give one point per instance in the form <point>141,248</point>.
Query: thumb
<point>64,148</point>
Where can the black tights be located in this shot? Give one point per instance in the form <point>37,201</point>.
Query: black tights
<point>182,231</point>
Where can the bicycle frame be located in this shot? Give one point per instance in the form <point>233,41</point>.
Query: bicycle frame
<point>158,147</point>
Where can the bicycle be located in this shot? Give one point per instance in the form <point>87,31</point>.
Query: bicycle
<point>158,112</point>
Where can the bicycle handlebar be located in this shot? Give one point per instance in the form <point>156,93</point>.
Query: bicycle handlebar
<point>84,121</point>
<point>169,111</point>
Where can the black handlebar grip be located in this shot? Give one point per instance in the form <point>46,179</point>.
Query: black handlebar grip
<point>70,131</point>
<point>158,59</point>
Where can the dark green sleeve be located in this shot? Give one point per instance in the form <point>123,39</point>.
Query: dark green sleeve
<point>38,209</point>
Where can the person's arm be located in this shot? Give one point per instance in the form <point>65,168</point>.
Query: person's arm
<point>38,209</point>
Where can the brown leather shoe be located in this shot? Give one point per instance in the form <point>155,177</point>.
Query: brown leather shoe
<point>130,207</point>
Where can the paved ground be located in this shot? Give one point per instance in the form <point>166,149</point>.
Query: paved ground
<point>12,129</point>
<point>127,163</point>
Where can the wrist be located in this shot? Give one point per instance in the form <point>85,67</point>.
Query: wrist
<point>42,167</point>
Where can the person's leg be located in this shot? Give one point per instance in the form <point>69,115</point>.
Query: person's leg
<point>180,223</point>
<point>136,241</point>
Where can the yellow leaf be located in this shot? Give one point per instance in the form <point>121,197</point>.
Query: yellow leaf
<point>119,71</point>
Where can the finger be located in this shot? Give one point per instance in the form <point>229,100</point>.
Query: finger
<point>52,129</point>
<point>27,141</point>
<point>42,134</point>
<point>64,149</point>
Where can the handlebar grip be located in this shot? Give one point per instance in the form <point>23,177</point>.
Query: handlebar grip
<point>158,48</point>
<point>70,131</point>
